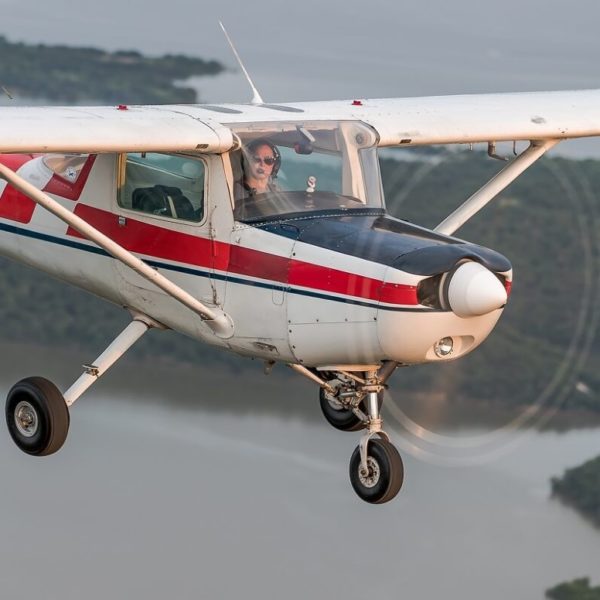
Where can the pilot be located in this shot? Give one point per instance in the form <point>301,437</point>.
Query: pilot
<point>260,164</point>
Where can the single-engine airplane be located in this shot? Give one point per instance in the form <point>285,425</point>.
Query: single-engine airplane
<point>149,208</point>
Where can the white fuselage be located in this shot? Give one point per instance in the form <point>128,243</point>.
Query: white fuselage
<point>290,300</point>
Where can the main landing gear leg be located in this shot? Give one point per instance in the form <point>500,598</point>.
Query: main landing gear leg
<point>37,414</point>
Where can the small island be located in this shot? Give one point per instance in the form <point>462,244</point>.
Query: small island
<point>578,589</point>
<point>580,488</point>
<point>62,74</point>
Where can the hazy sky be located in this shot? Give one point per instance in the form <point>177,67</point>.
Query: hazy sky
<point>314,49</point>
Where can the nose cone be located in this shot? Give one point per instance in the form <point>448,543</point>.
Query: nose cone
<point>475,291</point>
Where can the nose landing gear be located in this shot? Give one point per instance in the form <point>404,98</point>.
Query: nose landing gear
<point>351,399</point>
<point>376,469</point>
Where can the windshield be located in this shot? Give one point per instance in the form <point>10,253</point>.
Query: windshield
<point>299,167</point>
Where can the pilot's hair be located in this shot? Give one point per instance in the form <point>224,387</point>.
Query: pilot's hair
<point>251,147</point>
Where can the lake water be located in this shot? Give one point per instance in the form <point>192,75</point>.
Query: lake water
<point>151,500</point>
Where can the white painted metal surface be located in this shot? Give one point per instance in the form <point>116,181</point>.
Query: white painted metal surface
<point>409,338</point>
<point>129,336</point>
<point>110,129</point>
<point>458,119</point>
<point>474,291</point>
<point>399,121</point>
<point>216,319</point>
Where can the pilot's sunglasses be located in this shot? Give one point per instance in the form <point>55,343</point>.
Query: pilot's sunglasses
<point>268,160</point>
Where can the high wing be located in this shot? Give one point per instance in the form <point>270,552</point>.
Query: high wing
<point>398,121</point>
<point>110,129</point>
<point>463,118</point>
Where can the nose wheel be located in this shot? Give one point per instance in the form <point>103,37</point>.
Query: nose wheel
<point>376,469</point>
<point>381,479</point>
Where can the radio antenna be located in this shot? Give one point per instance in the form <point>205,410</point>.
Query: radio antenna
<point>10,96</point>
<point>256,97</point>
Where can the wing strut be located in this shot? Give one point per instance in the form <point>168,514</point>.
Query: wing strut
<point>91,373</point>
<point>220,323</point>
<point>494,186</point>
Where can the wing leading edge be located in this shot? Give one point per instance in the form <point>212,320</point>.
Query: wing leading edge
<point>475,118</point>
<point>109,129</point>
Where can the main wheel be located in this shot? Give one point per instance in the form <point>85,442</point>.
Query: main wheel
<point>340,417</point>
<point>37,416</point>
<point>385,474</point>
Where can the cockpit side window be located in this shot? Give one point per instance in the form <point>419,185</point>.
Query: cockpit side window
<point>163,185</point>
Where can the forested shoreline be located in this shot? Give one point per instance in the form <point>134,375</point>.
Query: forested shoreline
<point>579,487</point>
<point>578,589</point>
<point>63,74</point>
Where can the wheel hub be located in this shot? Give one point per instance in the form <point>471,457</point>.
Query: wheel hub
<point>26,419</point>
<point>370,478</point>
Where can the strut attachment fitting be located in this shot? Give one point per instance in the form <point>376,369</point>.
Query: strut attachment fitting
<point>492,152</point>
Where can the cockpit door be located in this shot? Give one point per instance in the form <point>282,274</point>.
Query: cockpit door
<point>162,216</point>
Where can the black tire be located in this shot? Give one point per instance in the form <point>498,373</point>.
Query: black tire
<point>386,472</point>
<point>37,416</point>
<point>343,418</point>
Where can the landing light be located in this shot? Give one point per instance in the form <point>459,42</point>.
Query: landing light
<point>444,347</point>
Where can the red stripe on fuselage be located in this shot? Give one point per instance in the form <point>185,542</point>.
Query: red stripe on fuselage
<point>13,204</point>
<point>313,276</point>
<point>18,207</point>
<point>157,242</point>
<point>154,241</point>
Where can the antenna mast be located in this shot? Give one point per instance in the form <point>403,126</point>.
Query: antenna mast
<point>256,97</point>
